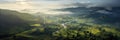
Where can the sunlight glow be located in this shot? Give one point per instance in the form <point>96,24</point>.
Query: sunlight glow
<point>46,7</point>
<point>24,4</point>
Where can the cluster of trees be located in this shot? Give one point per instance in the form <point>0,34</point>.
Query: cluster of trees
<point>88,33</point>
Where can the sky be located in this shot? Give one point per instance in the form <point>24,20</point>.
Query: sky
<point>47,6</point>
<point>34,4</point>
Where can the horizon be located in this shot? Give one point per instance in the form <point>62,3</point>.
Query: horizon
<point>45,6</point>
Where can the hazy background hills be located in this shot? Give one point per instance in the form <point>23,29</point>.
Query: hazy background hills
<point>100,15</point>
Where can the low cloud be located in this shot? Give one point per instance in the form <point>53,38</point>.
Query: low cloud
<point>50,5</point>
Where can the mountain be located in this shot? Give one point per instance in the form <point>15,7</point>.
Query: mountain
<point>99,15</point>
<point>77,26</point>
<point>12,22</point>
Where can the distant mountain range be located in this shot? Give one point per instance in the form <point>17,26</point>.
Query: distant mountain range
<point>101,15</point>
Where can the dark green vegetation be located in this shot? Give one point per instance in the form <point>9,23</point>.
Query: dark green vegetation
<point>88,33</point>
<point>22,26</point>
<point>13,22</point>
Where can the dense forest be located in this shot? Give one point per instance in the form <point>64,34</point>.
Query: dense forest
<point>95,23</point>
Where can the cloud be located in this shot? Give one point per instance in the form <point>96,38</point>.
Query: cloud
<point>50,5</point>
<point>39,3</point>
<point>15,4</point>
<point>100,3</point>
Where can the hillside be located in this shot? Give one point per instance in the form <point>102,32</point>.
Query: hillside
<point>81,25</point>
<point>12,22</point>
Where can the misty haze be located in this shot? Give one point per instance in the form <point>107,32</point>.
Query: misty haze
<point>59,19</point>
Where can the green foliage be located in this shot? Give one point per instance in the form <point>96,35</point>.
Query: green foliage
<point>22,26</point>
<point>88,33</point>
<point>36,25</point>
